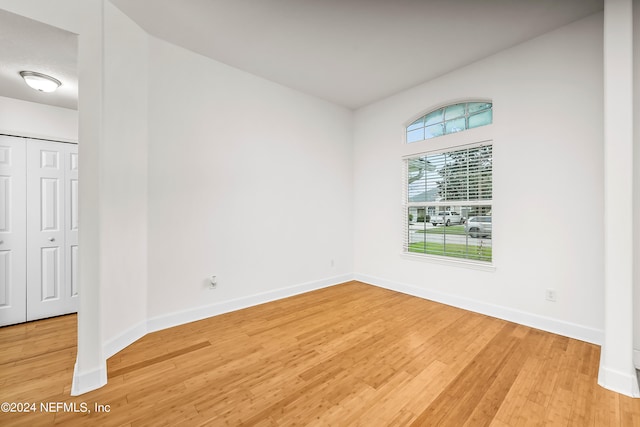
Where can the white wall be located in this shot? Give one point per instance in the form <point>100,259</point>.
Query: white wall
<point>548,184</point>
<point>24,118</point>
<point>248,180</point>
<point>124,181</point>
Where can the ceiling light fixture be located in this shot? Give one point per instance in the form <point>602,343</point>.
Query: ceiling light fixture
<point>39,81</point>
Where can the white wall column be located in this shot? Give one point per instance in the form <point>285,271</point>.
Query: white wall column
<point>636,179</point>
<point>85,18</point>
<point>617,371</point>
<point>91,367</point>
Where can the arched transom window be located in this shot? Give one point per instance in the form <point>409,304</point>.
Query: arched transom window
<point>450,119</point>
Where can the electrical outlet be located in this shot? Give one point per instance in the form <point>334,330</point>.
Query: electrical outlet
<point>333,264</point>
<point>213,282</point>
<point>550,295</point>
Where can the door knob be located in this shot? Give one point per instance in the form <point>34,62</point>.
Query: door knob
<point>52,239</point>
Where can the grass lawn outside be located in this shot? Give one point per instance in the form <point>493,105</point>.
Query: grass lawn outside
<point>441,229</point>
<point>452,250</point>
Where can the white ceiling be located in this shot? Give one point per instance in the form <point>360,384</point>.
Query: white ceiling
<point>27,45</point>
<point>349,52</point>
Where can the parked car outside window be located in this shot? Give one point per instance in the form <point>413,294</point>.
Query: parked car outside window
<point>478,226</point>
<point>447,218</point>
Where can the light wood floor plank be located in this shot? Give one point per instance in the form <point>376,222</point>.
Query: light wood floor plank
<point>347,355</point>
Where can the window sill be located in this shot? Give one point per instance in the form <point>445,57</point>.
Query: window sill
<point>435,259</point>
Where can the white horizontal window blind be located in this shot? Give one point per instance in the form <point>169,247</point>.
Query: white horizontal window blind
<point>448,203</point>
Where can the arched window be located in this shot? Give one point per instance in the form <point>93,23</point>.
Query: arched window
<point>450,119</point>
<point>448,187</point>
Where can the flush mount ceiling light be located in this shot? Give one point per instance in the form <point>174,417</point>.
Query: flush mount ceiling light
<point>40,82</point>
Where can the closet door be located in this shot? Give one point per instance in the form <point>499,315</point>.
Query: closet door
<point>71,224</point>
<point>49,292</point>
<point>13,238</point>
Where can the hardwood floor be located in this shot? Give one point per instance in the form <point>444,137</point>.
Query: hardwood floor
<point>348,355</point>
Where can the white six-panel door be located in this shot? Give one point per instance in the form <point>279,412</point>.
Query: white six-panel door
<point>71,224</point>
<point>13,240</point>
<point>52,176</point>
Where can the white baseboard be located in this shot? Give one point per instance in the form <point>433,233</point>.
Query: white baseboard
<point>158,323</point>
<point>84,382</point>
<point>181,317</point>
<point>571,330</point>
<point>125,339</point>
<point>620,382</point>
<point>88,381</point>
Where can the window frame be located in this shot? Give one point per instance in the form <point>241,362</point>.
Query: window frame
<point>468,138</point>
<point>432,109</point>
